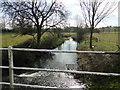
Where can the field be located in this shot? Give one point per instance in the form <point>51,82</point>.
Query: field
<point>13,39</point>
<point>108,37</point>
<point>107,41</point>
<point>68,34</point>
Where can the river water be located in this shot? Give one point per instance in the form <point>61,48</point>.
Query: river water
<point>57,61</point>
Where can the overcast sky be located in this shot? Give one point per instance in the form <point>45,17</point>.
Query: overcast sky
<point>74,8</point>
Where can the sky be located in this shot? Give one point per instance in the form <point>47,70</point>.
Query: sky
<point>74,8</point>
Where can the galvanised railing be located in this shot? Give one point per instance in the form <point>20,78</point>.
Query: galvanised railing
<point>11,65</point>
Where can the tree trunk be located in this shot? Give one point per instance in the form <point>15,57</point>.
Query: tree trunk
<point>38,37</point>
<point>58,35</point>
<point>91,36</point>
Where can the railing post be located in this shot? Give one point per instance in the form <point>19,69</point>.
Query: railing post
<point>11,77</point>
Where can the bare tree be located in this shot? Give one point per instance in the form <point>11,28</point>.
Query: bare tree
<point>41,13</point>
<point>94,11</point>
<point>79,22</point>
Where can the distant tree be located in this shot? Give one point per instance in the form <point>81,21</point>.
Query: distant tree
<point>94,11</point>
<point>57,31</point>
<point>80,31</point>
<point>41,13</point>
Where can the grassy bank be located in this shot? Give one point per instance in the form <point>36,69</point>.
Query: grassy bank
<point>28,59</point>
<point>15,39</point>
<point>97,45</point>
<point>68,34</point>
<point>99,63</point>
<point>109,37</point>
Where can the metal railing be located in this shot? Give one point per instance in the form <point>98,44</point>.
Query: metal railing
<point>11,65</point>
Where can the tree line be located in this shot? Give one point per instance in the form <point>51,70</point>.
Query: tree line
<point>42,15</point>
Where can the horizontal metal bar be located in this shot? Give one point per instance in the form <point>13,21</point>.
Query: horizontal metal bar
<point>25,85</point>
<point>65,51</point>
<point>62,51</point>
<point>68,71</point>
<point>3,48</point>
<point>63,71</point>
<point>6,67</point>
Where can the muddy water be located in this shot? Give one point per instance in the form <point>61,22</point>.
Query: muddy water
<point>58,61</point>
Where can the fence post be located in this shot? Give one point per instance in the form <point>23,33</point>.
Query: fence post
<point>11,77</point>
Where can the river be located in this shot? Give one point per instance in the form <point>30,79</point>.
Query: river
<point>57,61</point>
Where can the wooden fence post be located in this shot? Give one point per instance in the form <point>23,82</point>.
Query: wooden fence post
<point>11,77</point>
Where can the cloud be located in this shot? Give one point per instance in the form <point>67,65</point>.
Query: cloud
<point>74,8</point>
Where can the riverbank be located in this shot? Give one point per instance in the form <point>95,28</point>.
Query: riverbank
<point>99,63</point>
<point>48,41</point>
<point>13,39</point>
<point>56,61</point>
<point>26,59</point>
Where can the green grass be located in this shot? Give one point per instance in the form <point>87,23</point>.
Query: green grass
<point>107,41</point>
<point>108,37</point>
<point>98,46</point>
<point>13,39</point>
<point>0,40</point>
<point>68,34</point>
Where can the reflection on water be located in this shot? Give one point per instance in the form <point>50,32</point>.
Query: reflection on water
<point>58,61</point>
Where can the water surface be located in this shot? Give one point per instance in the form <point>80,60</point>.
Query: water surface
<point>57,61</point>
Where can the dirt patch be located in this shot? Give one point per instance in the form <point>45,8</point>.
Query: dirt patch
<point>98,62</point>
